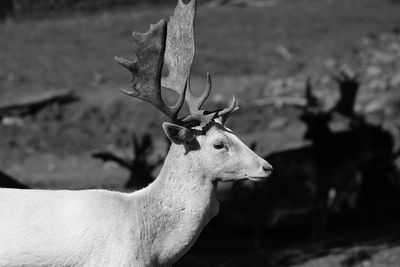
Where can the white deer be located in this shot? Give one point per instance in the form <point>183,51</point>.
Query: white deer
<point>154,226</point>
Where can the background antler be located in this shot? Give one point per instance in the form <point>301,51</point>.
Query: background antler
<point>348,85</point>
<point>311,99</point>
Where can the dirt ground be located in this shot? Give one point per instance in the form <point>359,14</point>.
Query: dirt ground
<point>244,48</point>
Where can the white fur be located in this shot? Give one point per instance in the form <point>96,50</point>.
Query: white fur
<point>151,227</point>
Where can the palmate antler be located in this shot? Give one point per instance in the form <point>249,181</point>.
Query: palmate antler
<point>171,44</point>
<point>146,69</point>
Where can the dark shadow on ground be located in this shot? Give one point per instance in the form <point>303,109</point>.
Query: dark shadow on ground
<point>358,239</point>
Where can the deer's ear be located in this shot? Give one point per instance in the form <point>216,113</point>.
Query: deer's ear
<point>178,134</point>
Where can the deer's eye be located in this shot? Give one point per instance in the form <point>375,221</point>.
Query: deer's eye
<point>219,145</point>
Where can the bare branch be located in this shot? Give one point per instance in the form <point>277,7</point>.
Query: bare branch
<point>109,156</point>
<point>31,105</point>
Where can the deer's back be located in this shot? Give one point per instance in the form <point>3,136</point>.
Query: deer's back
<point>40,227</point>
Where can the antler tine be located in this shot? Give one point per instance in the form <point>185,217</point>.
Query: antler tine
<point>146,69</point>
<point>198,116</point>
<point>232,108</point>
<point>311,99</point>
<point>194,102</point>
<point>202,117</point>
<point>224,114</point>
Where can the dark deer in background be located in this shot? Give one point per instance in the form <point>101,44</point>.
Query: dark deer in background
<point>342,155</point>
<point>141,169</point>
<point>329,174</point>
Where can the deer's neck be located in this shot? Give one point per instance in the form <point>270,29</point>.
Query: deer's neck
<point>175,207</point>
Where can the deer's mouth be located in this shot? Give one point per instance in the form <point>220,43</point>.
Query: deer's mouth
<point>258,178</point>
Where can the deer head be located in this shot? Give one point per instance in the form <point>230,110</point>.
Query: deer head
<point>201,137</point>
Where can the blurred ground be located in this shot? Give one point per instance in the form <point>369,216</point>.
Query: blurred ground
<point>248,51</point>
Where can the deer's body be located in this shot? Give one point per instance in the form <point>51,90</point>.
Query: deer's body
<point>150,227</point>
<point>64,228</point>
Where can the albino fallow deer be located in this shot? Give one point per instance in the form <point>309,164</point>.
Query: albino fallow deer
<point>156,225</point>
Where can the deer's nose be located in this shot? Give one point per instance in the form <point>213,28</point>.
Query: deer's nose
<point>267,167</point>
